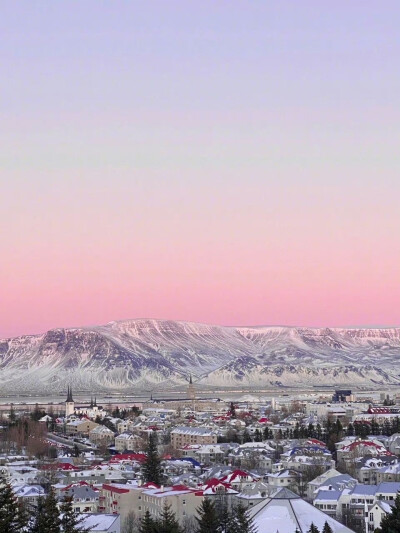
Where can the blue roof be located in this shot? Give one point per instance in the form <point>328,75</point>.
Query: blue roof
<point>189,459</point>
<point>367,490</point>
<point>389,486</point>
<point>328,495</point>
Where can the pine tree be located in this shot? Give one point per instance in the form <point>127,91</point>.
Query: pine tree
<point>258,436</point>
<point>391,521</point>
<point>224,516</point>
<point>52,522</point>
<point>207,519</point>
<point>152,465</point>
<point>38,517</point>
<point>147,524</point>
<point>240,521</point>
<point>313,529</point>
<point>71,522</point>
<point>327,528</point>
<point>246,436</point>
<point>11,518</point>
<point>168,522</point>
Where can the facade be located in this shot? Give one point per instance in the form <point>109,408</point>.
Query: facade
<point>121,499</point>
<point>101,435</point>
<point>184,435</point>
<point>183,501</point>
<point>127,441</point>
<point>80,427</point>
<point>84,498</point>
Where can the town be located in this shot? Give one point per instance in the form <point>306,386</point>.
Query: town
<point>320,464</point>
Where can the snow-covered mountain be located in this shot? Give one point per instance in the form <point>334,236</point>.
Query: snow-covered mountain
<point>140,354</point>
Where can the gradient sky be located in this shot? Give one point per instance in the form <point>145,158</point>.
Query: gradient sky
<point>233,162</point>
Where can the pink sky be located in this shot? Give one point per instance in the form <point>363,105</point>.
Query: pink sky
<point>207,163</point>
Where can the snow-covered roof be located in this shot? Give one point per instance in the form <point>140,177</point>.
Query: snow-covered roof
<point>98,522</point>
<point>388,487</point>
<point>188,430</point>
<point>285,511</point>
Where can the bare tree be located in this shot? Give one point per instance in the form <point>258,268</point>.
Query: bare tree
<point>130,524</point>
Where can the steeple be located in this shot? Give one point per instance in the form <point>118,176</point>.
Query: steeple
<point>191,391</point>
<point>69,404</point>
<point>91,401</point>
<point>95,402</point>
<point>69,394</point>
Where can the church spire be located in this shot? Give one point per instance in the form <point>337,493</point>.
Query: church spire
<point>69,394</point>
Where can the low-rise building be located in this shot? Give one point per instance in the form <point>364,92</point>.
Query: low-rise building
<point>101,435</point>
<point>183,435</point>
<point>80,427</point>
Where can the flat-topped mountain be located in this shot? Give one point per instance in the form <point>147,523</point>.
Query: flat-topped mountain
<point>139,354</point>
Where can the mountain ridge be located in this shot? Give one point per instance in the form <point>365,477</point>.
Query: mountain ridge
<point>141,353</point>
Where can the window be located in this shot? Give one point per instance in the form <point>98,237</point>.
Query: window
<point>183,502</point>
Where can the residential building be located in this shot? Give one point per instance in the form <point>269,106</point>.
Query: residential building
<point>183,435</point>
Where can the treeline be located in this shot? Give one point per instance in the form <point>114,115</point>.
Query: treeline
<point>363,428</point>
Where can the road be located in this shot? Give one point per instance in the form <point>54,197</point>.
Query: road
<point>69,443</point>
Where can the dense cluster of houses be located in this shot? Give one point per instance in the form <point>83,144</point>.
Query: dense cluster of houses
<point>247,452</point>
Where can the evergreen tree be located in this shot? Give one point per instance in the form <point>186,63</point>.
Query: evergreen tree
<point>168,522</point>
<point>224,516</point>
<point>38,517</point>
<point>391,521</point>
<point>52,522</point>
<point>152,465</point>
<point>313,529</point>
<point>11,517</point>
<point>207,519</point>
<point>267,434</point>
<point>257,436</point>
<point>147,524</point>
<point>76,452</point>
<point>246,436</point>
<point>240,521</point>
<point>71,522</point>
<point>327,528</point>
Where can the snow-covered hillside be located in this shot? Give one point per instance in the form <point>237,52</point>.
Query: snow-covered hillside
<point>134,354</point>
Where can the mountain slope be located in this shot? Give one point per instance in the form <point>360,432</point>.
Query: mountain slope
<point>134,354</point>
